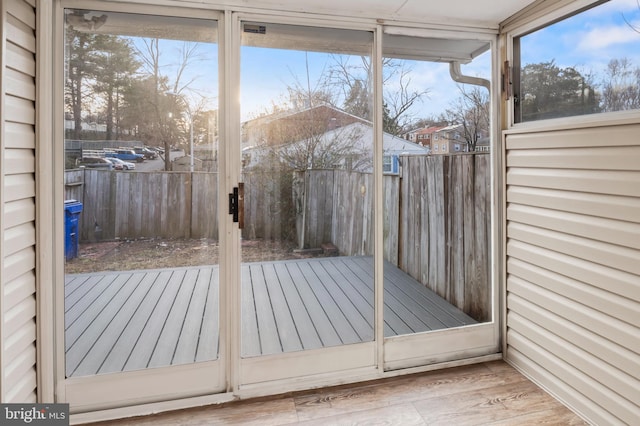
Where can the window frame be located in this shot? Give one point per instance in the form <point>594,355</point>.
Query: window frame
<point>522,24</point>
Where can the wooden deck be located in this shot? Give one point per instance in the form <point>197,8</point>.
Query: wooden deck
<point>122,321</point>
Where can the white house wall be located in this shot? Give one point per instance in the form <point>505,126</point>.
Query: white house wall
<point>573,269</point>
<point>17,223</point>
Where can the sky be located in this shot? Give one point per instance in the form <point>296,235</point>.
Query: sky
<point>587,41</point>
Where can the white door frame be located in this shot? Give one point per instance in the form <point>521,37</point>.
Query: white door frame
<point>236,377</point>
<point>114,390</point>
<point>413,350</point>
<point>253,376</point>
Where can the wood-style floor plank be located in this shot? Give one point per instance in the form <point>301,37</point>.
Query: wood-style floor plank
<point>488,393</point>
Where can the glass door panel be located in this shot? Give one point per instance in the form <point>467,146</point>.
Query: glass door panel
<point>307,160</point>
<point>141,193</point>
<point>436,197</point>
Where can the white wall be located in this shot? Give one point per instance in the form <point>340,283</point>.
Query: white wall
<point>573,264</point>
<point>17,223</point>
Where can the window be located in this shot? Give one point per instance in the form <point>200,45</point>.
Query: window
<point>128,66</point>
<point>390,164</point>
<point>585,64</point>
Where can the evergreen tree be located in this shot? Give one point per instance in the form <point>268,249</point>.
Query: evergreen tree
<point>549,91</point>
<point>114,67</point>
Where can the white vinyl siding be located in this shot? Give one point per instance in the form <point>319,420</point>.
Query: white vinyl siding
<point>573,266</point>
<point>18,280</point>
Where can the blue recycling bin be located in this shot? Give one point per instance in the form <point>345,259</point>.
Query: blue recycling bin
<point>72,210</point>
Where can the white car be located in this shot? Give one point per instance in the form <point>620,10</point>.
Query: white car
<point>125,164</point>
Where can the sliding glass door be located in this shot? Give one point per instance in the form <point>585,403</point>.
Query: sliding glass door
<point>437,194</point>
<point>307,284</point>
<point>142,283</point>
<point>334,226</point>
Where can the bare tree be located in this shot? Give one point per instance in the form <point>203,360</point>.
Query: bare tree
<point>167,85</point>
<point>632,26</point>
<point>354,82</point>
<point>341,148</point>
<point>471,111</point>
<point>621,86</point>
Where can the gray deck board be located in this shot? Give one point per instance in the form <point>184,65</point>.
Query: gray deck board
<point>207,347</point>
<point>167,341</point>
<point>138,319</point>
<point>112,323</point>
<point>326,332</point>
<point>304,325</point>
<point>191,331</point>
<point>282,312</point>
<point>267,329</point>
<point>147,340</point>
<point>117,357</point>
<point>336,317</point>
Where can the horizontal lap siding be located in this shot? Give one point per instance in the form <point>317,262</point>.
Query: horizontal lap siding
<point>573,266</point>
<point>18,202</point>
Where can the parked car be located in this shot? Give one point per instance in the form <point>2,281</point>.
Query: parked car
<point>126,155</point>
<point>94,163</point>
<point>146,152</point>
<point>116,166</point>
<point>119,164</point>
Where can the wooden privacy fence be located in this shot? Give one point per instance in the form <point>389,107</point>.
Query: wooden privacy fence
<point>436,221</point>
<point>436,215</point>
<point>123,205</point>
<point>144,205</point>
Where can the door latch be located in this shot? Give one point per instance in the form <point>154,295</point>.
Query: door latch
<point>236,204</point>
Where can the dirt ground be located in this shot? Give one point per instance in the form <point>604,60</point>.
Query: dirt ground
<point>162,253</point>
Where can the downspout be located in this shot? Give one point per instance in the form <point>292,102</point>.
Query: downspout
<point>456,75</point>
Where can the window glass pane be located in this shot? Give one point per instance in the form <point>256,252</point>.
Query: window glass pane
<point>588,63</point>
<point>141,229</point>
<point>436,206</point>
<point>307,160</point>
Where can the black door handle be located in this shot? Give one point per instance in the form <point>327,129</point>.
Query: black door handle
<point>236,204</point>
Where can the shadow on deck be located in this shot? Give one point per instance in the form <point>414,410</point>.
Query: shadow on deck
<point>123,321</point>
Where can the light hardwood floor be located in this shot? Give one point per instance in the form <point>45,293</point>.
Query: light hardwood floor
<point>492,393</point>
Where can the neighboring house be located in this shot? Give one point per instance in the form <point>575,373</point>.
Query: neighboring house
<point>425,135</point>
<point>448,140</point>
<point>348,147</point>
<point>293,125</point>
<point>92,127</point>
<point>484,144</point>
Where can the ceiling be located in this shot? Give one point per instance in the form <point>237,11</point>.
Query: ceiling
<point>474,13</point>
<point>487,14</point>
